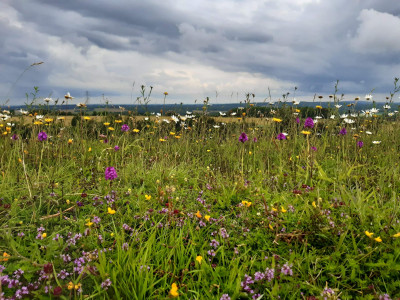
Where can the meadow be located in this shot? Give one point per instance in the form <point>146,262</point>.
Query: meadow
<point>193,207</point>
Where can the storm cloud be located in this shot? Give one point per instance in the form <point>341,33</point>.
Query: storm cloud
<point>195,49</point>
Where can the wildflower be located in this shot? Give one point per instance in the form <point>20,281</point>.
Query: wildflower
<point>111,128</point>
<point>276,120</point>
<point>305,132</point>
<point>396,235</point>
<point>106,283</point>
<point>314,205</point>
<point>5,256</point>
<point>283,209</point>
<point>111,211</point>
<point>343,131</point>
<point>281,137</point>
<point>360,144</point>
<point>243,137</point>
<point>199,259</point>
<point>70,141</point>
<point>369,234</point>
<point>246,203</point>
<point>309,123</point>
<point>116,148</point>
<point>378,239</point>
<point>148,197</point>
<point>225,297</point>
<point>42,136</point>
<point>70,285</point>
<point>376,142</point>
<point>270,226</point>
<point>286,269</point>
<point>110,173</point>
<point>368,97</point>
<point>319,107</point>
<point>165,93</point>
<point>68,96</point>
<point>44,235</point>
<point>86,118</point>
<point>136,130</point>
<point>89,224</point>
<point>198,214</point>
<point>125,128</point>
<point>174,290</point>
<point>106,124</point>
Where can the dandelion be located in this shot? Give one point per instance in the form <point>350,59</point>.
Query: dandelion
<point>110,173</point>
<point>309,123</point>
<point>243,137</point>
<point>42,136</point>
<point>199,259</point>
<point>305,132</point>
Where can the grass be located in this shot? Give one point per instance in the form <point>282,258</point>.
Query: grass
<point>194,206</point>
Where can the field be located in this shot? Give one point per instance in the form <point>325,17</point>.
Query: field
<point>128,207</point>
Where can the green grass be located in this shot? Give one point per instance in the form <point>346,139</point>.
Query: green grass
<point>309,209</point>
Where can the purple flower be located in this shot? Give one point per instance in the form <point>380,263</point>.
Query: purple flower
<point>243,137</point>
<point>360,144</point>
<point>343,131</point>
<point>125,128</point>
<point>42,136</point>
<point>287,269</point>
<point>106,283</point>
<point>281,137</point>
<point>314,148</point>
<point>14,137</point>
<point>110,173</point>
<point>309,123</point>
<point>116,148</point>
<point>255,140</point>
<point>225,297</point>
<point>298,120</point>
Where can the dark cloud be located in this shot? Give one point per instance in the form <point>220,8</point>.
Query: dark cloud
<point>308,43</point>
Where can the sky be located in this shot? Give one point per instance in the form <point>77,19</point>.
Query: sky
<point>221,49</point>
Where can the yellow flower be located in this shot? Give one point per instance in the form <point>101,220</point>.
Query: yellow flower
<point>250,153</point>
<point>44,235</point>
<point>5,256</point>
<point>313,204</point>
<point>48,120</point>
<point>118,121</point>
<point>161,140</point>
<point>270,226</point>
<point>207,217</point>
<point>378,239</point>
<point>70,141</point>
<point>174,290</point>
<point>198,214</point>
<point>89,224</point>
<point>8,129</point>
<point>172,133</point>
<point>148,197</point>
<point>106,123</point>
<point>274,209</point>
<point>319,107</point>
<point>177,136</point>
<point>90,149</point>
<point>283,209</point>
<point>61,118</point>
<point>111,211</point>
<point>369,234</point>
<point>166,93</point>
<point>86,118</point>
<point>276,120</point>
<point>306,132</point>
<point>70,285</point>
<point>37,123</point>
<point>136,130</point>
<point>111,128</point>
<point>297,110</point>
<point>199,259</point>
<point>396,235</point>
<point>246,203</point>
<point>5,133</point>
<point>112,234</point>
